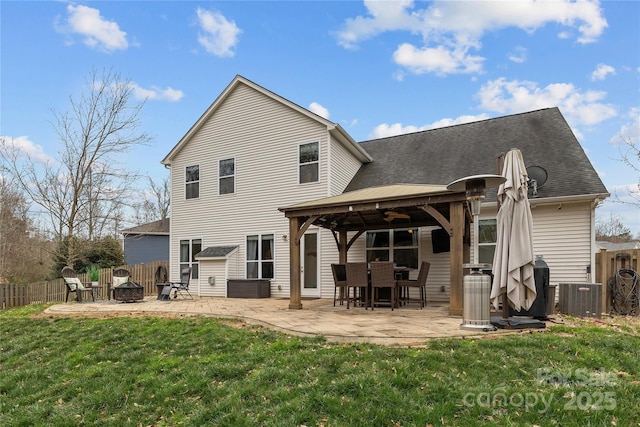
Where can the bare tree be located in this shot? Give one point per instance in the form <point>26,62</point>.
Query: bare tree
<point>80,190</point>
<point>23,251</point>
<point>630,156</point>
<point>156,202</point>
<point>612,230</point>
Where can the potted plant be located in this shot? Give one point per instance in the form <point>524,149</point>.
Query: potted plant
<point>93,273</point>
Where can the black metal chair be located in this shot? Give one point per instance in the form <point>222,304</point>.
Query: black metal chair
<point>383,276</point>
<point>74,285</point>
<point>182,287</point>
<point>340,280</point>
<point>420,284</point>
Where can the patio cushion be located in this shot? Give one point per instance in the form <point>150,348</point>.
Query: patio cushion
<point>74,283</point>
<point>117,281</point>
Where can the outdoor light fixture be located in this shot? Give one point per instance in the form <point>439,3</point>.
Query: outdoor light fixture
<point>475,187</point>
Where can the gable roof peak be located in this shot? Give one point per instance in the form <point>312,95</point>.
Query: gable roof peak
<point>335,129</point>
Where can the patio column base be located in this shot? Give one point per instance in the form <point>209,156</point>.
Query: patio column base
<point>295,306</point>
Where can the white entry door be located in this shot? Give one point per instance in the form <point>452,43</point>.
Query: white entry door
<point>309,262</point>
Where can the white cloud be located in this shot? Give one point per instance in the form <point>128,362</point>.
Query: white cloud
<point>314,107</point>
<point>450,29</point>
<point>518,55</point>
<point>439,60</point>
<point>96,31</point>
<point>156,93</point>
<point>385,130</point>
<point>629,132</point>
<point>22,146</point>
<point>602,71</point>
<point>580,108</point>
<point>219,35</point>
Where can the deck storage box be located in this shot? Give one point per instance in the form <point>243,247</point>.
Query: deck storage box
<point>248,288</point>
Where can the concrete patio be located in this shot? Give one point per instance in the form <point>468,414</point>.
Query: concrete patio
<point>404,326</point>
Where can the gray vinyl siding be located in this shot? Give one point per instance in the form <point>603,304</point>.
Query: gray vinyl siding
<point>342,166</point>
<point>564,239</point>
<point>263,136</point>
<point>143,249</point>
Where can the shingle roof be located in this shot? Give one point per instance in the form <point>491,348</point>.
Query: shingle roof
<point>440,156</point>
<point>216,252</point>
<point>156,227</point>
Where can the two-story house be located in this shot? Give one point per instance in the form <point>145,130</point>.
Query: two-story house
<point>254,160</point>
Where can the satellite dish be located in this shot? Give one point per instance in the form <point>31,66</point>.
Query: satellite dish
<point>538,174</point>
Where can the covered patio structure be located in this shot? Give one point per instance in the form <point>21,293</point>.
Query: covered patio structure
<point>349,215</point>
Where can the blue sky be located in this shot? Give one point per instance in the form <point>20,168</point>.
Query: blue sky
<point>375,67</point>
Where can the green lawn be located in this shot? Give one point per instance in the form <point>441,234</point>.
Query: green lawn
<point>201,371</point>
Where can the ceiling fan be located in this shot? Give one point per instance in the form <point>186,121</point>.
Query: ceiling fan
<point>391,215</point>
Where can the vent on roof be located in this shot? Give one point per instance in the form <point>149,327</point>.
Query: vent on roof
<point>537,178</point>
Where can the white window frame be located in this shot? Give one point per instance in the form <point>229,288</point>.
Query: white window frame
<point>314,162</point>
<point>194,182</point>
<point>221,177</point>
<point>483,245</point>
<point>191,262</point>
<point>261,260</point>
<point>391,248</point>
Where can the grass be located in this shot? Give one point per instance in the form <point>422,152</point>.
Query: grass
<point>202,371</point>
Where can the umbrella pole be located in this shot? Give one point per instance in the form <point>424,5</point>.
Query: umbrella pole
<point>505,305</point>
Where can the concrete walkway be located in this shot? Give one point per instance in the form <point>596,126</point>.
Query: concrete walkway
<point>404,326</point>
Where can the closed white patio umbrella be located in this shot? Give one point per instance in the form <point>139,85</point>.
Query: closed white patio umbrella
<point>513,262</point>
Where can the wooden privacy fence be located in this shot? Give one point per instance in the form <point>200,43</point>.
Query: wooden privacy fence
<point>14,295</point>
<point>607,265</point>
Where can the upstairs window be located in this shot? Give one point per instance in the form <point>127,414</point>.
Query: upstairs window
<point>308,158</point>
<point>227,176</point>
<point>192,182</point>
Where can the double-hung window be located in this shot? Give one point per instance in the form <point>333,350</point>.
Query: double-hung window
<point>488,235</point>
<point>260,256</point>
<point>192,182</point>
<point>399,246</point>
<point>227,173</point>
<point>189,248</point>
<point>309,162</point>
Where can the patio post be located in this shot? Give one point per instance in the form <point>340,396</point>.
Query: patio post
<point>342,247</point>
<point>457,256</point>
<point>295,300</point>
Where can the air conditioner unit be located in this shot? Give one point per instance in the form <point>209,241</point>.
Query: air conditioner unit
<point>581,299</point>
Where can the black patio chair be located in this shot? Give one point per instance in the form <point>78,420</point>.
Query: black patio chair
<point>382,276</point>
<point>74,285</point>
<point>182,287</point>
<point>340,280</point>
<point>357,279</point>
<point>420,284</point>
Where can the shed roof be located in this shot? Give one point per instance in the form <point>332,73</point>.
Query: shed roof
<point>216,252</point>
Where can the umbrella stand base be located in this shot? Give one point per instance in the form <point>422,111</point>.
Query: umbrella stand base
<point>517,323</point>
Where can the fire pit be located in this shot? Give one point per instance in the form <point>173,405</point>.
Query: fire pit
<point>128,292</point>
